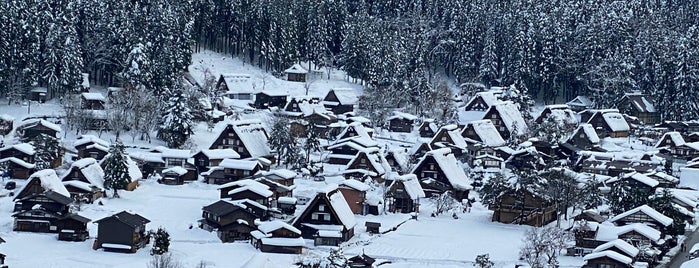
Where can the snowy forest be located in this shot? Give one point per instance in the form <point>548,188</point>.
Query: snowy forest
<point>554,50</point>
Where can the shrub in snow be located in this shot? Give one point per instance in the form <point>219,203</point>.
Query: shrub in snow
<point>161,242</point>
<point>164,261</point>
<point>444,202</point>
<point>541,246</point>
<point>483,261</point>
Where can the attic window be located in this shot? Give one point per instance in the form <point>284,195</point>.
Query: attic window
<point>321,207</point>
<point>494,116</point>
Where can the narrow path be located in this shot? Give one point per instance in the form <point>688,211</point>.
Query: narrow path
<point>680,257</point>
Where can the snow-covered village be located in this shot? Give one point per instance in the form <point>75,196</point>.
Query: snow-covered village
<point>338,133</point>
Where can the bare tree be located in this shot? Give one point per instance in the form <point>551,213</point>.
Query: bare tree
<point>443,203</point>
<point>541,246</point>
<point>164,261</point>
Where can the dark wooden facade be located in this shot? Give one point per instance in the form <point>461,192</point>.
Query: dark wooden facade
<point>231,222</point>
<point>124,229</point>
<point>264,100</point>
<point>522,207</point>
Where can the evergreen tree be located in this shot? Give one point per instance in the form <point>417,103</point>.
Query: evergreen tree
<point>176,124</point>
<point>46,151</point>
<point>116,169</point>
<point>312,143</point>
<point>625,196</point>
<point>662,202</point>
<point>281,141</point>
<point>493,190</point>
<point>161,243</point>
<point>590,195</point>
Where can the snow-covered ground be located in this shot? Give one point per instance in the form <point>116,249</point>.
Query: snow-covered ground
<point>440,241</point>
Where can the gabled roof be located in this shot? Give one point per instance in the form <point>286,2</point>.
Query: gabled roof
<point>639,102</point>
<point>488,98</point>
<point>28,123</point>
<point>580,101</point>
<point>355,184</point>
<point>511,116</point>
<point>616,121</point>
<point>271,226</point>
<point>650,182</point>
<point>376,160</point>
<point>85,139</point>
<point>18,162</point>
<point>132,220</point>
<point>402,115</point>
<point>25,148</point>
<point>622,245</point>
<point>590,133</point>
<point>238,83</point>
<point>674,136</point>
<point>346,96</point>
<point>450,167</point>
<point>338,206</point>
<point>412,186</point>
<point>49,181</point>
<point>296,69</point>
<point>90,169</point>
<point>645,209</point>
<point>57,197</point>
<point>487,132</point>
<point>220,153</point>
<point>222,208</point>
<point>454,133</point>
<point>253,135</point>
<point>239,164</point>
<point>609,232</point>
<point>609,254</point>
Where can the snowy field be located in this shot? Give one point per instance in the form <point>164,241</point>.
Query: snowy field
<point>441,242</point>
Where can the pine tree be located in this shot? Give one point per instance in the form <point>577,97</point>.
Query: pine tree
<point>161,243</point>
<point>116,169</point>
<point>662,202</point>
<point>176,124</point>
<point>590,195</point>
<point>625,196</point>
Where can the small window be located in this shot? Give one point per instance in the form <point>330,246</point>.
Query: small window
<point>321,207</point>
<point>494,116</point>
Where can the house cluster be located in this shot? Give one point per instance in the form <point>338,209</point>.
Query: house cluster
<point>638,237</point>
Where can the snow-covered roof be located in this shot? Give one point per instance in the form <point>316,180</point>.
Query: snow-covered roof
<point>487,132</point>
<point>25,148</point>
<point>580,101</point>
<point>239,164</point>
<point>640,102</point>
<point>296,69</point>
<point>343,210</point>
<point>645,209</point>
<point>488,97</point>
<point>80,185</point>
<point>177,170</point>
<point>253,135</point>
<point>32,122</point>
<point>220,153</point>
<point>376,160</point>
<point>358,143</point>
<point>358,128</point>
<point>85,139</point>
<point>243,183</point>
<point>402,115</point>
<point>511,116</point>
<point>608,232</point>
<point>271,226</point>
<point>674,136</point>
<point>355,184</point>
<point>412,186</point>
<point>134,171</point>
<point>562,114</point>
<point>616,121</point>
<point>282,173</point>
<point>454,133</point>
<point>589,131</point>
<point>621,245</point>
<point>239,83</point>
<point>94,96</point>
<point>18,162</point>
<point>172,153</point>
<point>693,263</point>
<point>448,164</point>
<point>262,191</point>
<point>608,254</point>
<point>637,177</point>
<point>153,157</point>
<point>346,96</point>
<point>90,169</point>
<point>663,176</point>
<point>49,181</point>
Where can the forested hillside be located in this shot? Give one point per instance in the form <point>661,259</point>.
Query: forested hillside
<point>554,50</point>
